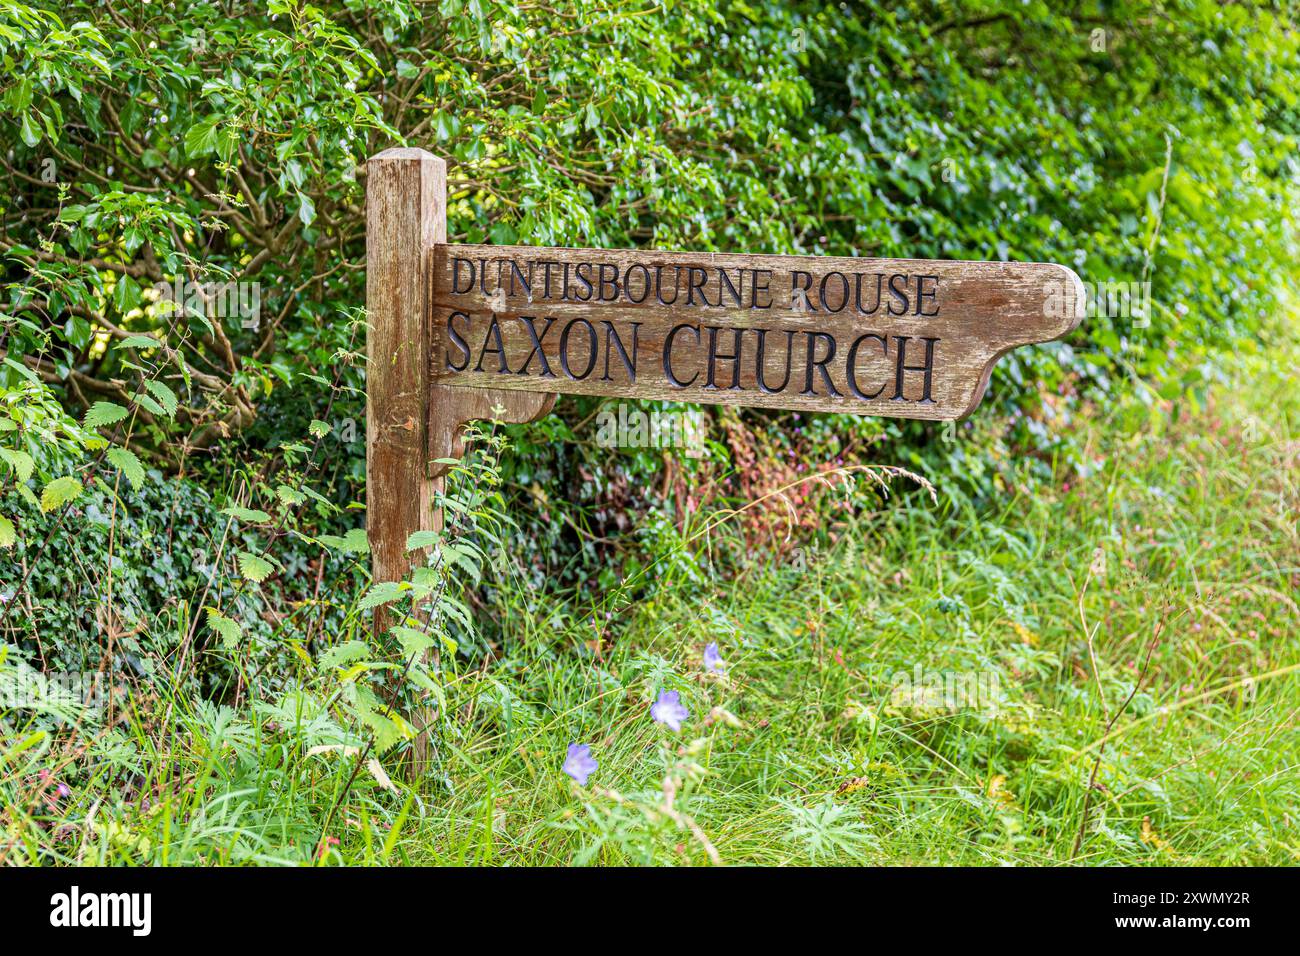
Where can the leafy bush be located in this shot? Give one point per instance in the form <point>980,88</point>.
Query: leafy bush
<point>209,154</point>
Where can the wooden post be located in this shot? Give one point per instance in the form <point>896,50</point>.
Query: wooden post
<point>406,214</point>
<point>410,420</point>
<point>406,204</point>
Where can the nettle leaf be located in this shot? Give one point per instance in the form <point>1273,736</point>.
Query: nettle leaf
<point>230,631</point>
<point>246,514</point>
<point>289,496</point>
<point>414,642</point>
<point>383,593</point>
<point>354,542</point>
<point>59,492</point>
<point>318,428</point>
<point>104,413</point>
<point>20,461</point>
<point>344,653</point>
<point>389,727</point>
<point>464,556</point>
<point>147,402</point>
<point>253,567</point>
<point>125,461</point>
<point>422,539</point>
<point>7,533</point>
<point>166,397</point>
<point>139,342</point>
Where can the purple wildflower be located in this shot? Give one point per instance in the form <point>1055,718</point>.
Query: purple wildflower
<point>668,710</point>
<point>712,659</point>
<point>580,764</point>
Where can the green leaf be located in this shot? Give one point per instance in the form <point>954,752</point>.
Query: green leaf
<point>30,132</point>
<point>104,413</point>
<point>422,539</point>
<point>59,492</point>
<point>26,494</point>
<point>354,542</point>
<point>20,461</point>
<point>289,496</point>
<point>126,294</point>
<point>230,631</point>
<point>344,653</point>
<point>166,397</point>
<point>138,342</point>
<point>318,428</point>
<point>382,593</point>
<point>148,404</point>
<point>306,209</point>
<point>202,137</point>
<point>246,514</point>
<point>125,461</point>
<point>414,642</point>
<point>7,534</point>
<point>253,567</point>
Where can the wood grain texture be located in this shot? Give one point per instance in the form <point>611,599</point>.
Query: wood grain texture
<point>922,335</point>
<point>405,216</point>
<point>452,407</point>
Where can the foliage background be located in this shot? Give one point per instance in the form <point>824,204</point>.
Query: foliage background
<point>207,142</point>
<point>212,462</point>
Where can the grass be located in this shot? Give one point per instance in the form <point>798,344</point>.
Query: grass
<point>1156,596</point>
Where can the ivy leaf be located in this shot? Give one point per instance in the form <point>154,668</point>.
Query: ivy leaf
<point>20,461</point>
<point>59,492</point>
<point>125,461</point>
<point>230,631</point>
<point>104,413</point>
<point>7,534</point>
<point>253,567</point>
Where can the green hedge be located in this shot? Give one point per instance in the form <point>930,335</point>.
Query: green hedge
<point>207,142</point>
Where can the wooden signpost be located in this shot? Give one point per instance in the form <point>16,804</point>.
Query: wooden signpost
<point>456,331</point>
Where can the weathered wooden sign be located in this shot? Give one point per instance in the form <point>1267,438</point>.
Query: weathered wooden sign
<point>899,337</point>
<point>461,332</point>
